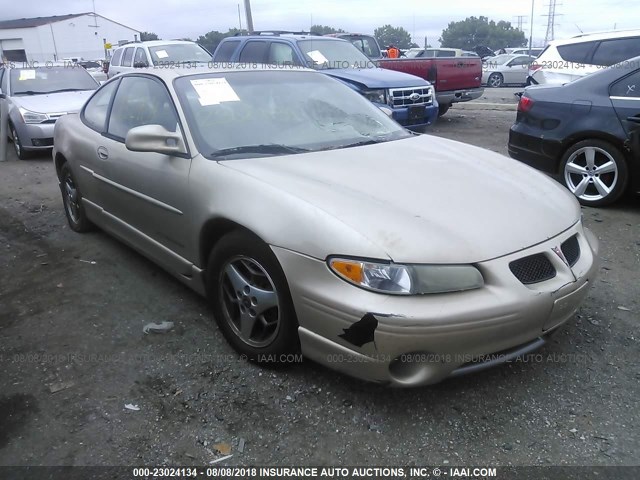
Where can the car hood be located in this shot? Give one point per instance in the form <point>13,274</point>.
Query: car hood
<point>424,199</point>
<point>376,77</point>
<point>62,102</point>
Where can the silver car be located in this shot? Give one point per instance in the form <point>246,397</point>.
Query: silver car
<point>37,97</point>
<point>506,70</point>
<point>315,223</point>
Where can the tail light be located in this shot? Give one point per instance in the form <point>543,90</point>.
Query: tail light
<point>525,104</point>
<point>534,67</point>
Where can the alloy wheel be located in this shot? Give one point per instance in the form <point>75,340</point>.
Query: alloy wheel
<point>249,301</point>
<point>591,173</point>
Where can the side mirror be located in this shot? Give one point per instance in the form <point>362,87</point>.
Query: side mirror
<point>155,138</point>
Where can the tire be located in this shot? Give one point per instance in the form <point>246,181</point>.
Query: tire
<point>17,145</point>
<point>72,200</point>
<point>495,80</point>
<point>595,172</point>
<point>443,108</point>
<point>251,301</point>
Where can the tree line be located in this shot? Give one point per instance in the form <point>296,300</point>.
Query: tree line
<point>465,34</point>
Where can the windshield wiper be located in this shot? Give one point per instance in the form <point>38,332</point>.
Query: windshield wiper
<point>361,143</point>
<point>271,148</point>
<point>69,90</point>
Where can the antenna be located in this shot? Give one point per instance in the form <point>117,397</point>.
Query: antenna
<point>579,28</point>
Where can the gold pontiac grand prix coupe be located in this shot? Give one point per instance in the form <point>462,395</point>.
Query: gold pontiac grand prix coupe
<point>316,224</point>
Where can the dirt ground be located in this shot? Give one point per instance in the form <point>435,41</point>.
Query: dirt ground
<point>73,353</point>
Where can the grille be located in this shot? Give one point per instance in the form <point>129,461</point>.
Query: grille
<point>401,96</point>
<point>571,250</point>
<point>533,269</point>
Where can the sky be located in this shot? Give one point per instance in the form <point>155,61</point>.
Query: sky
<point>191,18</point>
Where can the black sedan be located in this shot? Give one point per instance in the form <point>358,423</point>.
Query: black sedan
<point>585,132</point>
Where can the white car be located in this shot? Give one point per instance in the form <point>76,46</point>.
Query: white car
<point>505,69</point>
<point>154,53</point>
<point>566,60</point>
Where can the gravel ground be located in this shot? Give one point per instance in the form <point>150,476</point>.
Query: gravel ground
<point>72,354</point>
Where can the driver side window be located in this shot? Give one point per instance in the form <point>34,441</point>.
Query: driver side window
<point>141,101</point>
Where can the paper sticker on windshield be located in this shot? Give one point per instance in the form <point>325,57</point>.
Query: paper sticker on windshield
<point>212,91</point>
<point>317,56</point>
<point>162,54</point>
<point>27,75</point>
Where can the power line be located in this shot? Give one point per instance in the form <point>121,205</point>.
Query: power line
<point>551,21</point>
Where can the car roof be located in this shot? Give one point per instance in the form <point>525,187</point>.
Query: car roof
<point>169,74</point>
<point>289,35</point>
<point>154,43</point>
<point>585,37</point>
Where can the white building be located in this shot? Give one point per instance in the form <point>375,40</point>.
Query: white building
<point>42,39</point>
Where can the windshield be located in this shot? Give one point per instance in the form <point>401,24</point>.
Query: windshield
<point>365,44</point>
<point>179,52</point>
<point>265,113</point>
<point>34,81</point>
<point>327,54</point>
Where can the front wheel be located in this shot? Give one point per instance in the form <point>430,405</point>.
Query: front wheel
<point>251,299</point>
<point>443,108</point>
<point>21,153</point>
<point>595,172</point>
<point>495,80</point>
<point>72,200</point>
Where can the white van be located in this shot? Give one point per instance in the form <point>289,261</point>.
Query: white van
<point>563,61</point>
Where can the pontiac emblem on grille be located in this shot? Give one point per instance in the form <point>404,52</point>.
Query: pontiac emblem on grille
<point>414,97</point>
<point>559,253</point>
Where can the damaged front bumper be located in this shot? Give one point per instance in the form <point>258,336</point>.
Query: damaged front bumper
<point>419,340</point>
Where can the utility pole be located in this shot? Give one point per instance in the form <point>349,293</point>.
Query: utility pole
<point>247,11</point>
<point>531,27</point>
<point>551,21</point>
<point>239,18</point>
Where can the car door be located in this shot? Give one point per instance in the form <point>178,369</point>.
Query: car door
<point>87,162</point>
<point>515,71</point>
<point>149,197</point>
<point>625,97</point>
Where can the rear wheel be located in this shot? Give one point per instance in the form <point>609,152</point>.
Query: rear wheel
<point>595,172</point>
<point>251,300</point>
<point>495,80</point>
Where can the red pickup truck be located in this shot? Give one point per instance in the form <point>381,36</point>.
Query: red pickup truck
<point>456,79</point>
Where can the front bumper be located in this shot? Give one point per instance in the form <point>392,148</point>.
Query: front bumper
<point>455,96</point>
<point>402,116</point>
<point>35,136</point>
<point>411,341</point>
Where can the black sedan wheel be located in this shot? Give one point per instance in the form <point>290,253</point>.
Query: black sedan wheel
<point>495,80</point>
<point>251,300</point>
<point>594,171</point>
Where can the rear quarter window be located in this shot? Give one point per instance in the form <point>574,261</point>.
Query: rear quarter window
<point>225,52</point>
<point>128,57</point>
<point>610,52</point>
<point>117,55</point>
<point>577,52</point>
<point>628,87</point>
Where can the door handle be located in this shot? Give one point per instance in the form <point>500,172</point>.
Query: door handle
<point>633,119</point>
<point>103,153</point>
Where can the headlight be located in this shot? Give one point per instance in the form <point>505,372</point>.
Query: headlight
<point>33,117</point>
<point>376,96</point>
<point>407,279</point>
